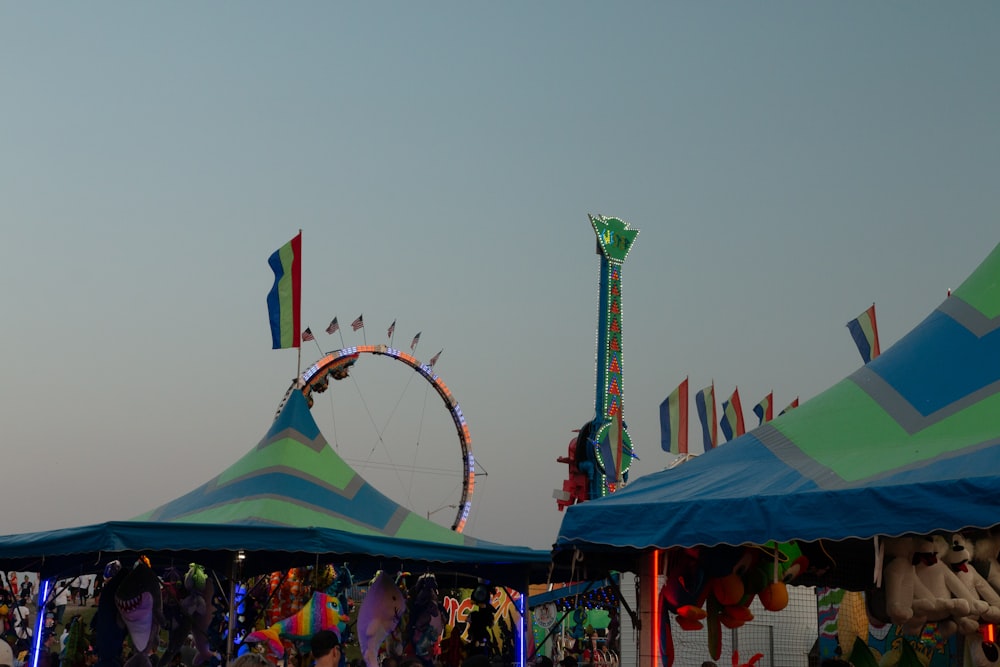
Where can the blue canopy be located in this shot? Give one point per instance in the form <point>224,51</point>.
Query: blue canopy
<point>910,443</point>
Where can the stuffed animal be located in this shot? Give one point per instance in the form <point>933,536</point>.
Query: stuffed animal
<point>959,558</point>
<point>197,605</point>
<point>939,594</point>
<point>426,619</point>
<point>899,578</point>
<point>379,615</point>
<point>140,606</point>
<point>984,557</point>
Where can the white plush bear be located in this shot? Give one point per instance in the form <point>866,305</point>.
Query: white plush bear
<point>985,552</point>
<point>940,583</point>
<point>899,577</point>
<point>959,559</point>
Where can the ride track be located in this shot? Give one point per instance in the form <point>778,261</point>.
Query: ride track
<point>337,365</point>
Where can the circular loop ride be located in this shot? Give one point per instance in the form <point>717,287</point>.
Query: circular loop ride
<point>337,365</point>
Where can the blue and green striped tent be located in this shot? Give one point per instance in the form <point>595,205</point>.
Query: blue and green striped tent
<point>289,501</point>
<point>910,443</point>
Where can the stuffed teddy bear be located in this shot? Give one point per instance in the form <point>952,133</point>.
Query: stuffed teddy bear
<point>899,579</point>
<point>986,547</point>
<point>935,582</point>
<point>959,558</point>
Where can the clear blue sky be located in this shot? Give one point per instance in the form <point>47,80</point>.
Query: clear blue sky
<point>787,164</point>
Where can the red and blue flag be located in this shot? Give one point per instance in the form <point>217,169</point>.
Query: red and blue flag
<point>765,409</point>
<point>864,331</point>
<point>284,301</point>
<point>732,417</point>
<point>704,400</point>
<point>674,420</point>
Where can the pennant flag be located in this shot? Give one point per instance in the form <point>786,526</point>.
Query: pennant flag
<point>413,343</point>
<point>308,334</point>
<point>674,420</point>
<point>392,329</point>
<point>704,400</point>
<point>358,323</point>
<point>334,327</point>
<point>434,359</point>
<point>765,409</point>
<point>793,404</point>
<point>732,417</point>
<point>864,331</point>
<point>284,301</point>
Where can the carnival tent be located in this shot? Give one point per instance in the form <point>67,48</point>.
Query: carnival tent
<point>910,443</point>
<point>288,502</point>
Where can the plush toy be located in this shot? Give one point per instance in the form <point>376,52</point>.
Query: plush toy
<point>426,618</point>
<point>140,606</point>
<point>984,557</point>
<point>939,593</point>
<point>899,579</point>
<point>982,653</point>
<point>380,613</point>
<point>197,605</point>
<point>959,559</point>
<point>684,589</point>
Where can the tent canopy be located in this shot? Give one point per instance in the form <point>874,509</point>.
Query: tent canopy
<point>290,501</point>
<point>910,443</point>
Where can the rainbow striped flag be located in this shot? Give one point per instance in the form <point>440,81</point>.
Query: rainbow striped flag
<point>704,400</point>
<point>765,409</point>
<point>864,331</point>
<point>284,301</point>
<point>674,420</point>
<point>732,417</point>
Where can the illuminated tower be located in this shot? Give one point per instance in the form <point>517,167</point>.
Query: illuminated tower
<point>600,455</point>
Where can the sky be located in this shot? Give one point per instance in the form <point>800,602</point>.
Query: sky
<point>787,164</point>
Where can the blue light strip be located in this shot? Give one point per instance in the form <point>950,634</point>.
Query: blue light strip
<point>522,647</point>
<point>36,641</point>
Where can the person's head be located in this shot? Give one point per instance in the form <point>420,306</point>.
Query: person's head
<point>325,646</point>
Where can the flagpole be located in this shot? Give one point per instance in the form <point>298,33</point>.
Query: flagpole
<point>342,343</point>
<point>298,330</point>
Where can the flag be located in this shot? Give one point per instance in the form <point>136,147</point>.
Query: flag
<point>308,334</point>
<point>413,343</point>
<point>864,331</point>
<point>674,420</point>
<point>434,359</point>
<point>392,329</point>
<point>793,404</point>
<point>765,409</point>
<point>334,327</point>
<point>358,323</point>
<point>704,400</point>
<point>284,301</point>
<point>732,416</point>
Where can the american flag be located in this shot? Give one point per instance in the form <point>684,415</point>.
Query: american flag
<point>358,323</point>
<point>308,334</point>
<point>334,327</point>
<point>434,359</point>
<point>413,344</point>
<point>392,329</point>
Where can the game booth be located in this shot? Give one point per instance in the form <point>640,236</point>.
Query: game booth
<point>286,541</point>
<point>881,494</point>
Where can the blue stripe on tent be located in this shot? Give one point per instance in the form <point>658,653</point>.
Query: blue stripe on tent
<point>953,363</point>
<point>294,415</point>
<point>368,506</point>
